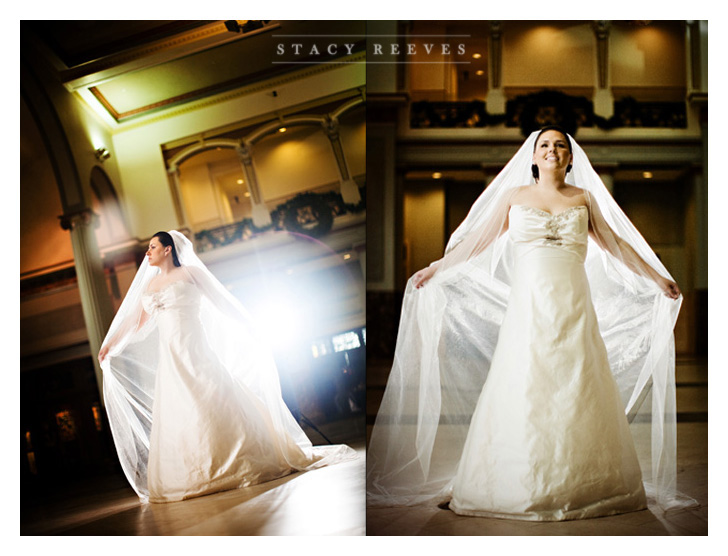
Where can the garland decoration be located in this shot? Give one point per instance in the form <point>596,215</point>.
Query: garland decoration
<point>307,213</point>
<point>311,214</point>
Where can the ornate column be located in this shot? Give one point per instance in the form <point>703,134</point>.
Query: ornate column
<point>495,101</point>
<point>179,206</point>
<point>261,214</point>
<point>95,300</point>
<point>603,99</point>
<point>349,190</point>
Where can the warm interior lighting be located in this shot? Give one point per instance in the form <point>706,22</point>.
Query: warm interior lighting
<point>436,176</point>
<point>647,175</point>
<point>96,410</point>
<point>476,55</point>
<point>30,454</point>
<point>347,256</point>
<point>66,425</point>
<point>282,130</point>
<point>479,72</point>
<point>240,182</point>
<point>102,154</point>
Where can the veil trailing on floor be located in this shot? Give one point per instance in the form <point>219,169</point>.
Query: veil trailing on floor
<point>449,329</point>
<point>129,370</point>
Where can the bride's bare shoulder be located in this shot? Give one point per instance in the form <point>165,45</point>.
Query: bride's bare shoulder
<point>576,193</point>
<point>519,193</point>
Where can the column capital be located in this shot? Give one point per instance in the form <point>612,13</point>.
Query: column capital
<point>331,127</point>
<point>83,217</point>
<point>244,151</point>
<point>602,28</point>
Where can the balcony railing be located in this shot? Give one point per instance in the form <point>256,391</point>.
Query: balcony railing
<point>533,111</point>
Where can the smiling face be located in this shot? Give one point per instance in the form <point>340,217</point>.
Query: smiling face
<point>156,252</point>
<point>552,151</point>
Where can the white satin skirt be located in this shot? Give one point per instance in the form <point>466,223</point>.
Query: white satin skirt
<point>549,439</point>
<point>208,433</point>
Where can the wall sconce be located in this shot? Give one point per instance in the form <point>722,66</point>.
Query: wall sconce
<point>102,154</point>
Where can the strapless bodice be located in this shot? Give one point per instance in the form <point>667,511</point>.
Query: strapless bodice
<point>531,227</point>
<point>177,295</point>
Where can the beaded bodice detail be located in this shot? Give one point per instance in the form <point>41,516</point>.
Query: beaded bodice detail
<point>535,227</point>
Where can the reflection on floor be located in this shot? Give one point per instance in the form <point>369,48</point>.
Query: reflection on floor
<point>326,501</point>
<point>692,479</point>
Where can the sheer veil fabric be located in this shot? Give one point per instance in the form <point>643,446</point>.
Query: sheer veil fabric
<point>129,370</point>
<point>449,329</point>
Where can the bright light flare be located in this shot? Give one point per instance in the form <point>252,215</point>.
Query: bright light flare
<point>296,289</point>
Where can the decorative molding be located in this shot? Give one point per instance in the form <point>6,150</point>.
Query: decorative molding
<point>458,154</point>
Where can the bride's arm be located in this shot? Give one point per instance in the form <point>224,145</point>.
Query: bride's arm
<point>613,244</point>
<point>130,325</point>
<point>472,245</point>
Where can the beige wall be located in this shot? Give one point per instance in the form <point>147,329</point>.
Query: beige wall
<point>647,62</point>
<point>651,57</point>
<point>144,184</point>
<point>424,225</point>
<point>554,54</point>
<point>42,241</point>
<point>43,244</point>
<point>300,159</point>
<point>203,201</point>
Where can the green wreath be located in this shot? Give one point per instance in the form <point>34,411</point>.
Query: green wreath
<point>308,214</point>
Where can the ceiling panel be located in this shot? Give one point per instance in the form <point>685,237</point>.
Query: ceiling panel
<point>135,68</point>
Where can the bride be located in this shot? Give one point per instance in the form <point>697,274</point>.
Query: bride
<point>193,398</point>
<point>547,291</point>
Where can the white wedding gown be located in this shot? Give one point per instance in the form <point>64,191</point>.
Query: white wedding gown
<point>209,432</point>
<point>549,439</point>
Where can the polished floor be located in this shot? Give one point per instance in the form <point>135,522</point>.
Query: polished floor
<point>326,501</point>
<point>331,501</point>
<point>692,477</point>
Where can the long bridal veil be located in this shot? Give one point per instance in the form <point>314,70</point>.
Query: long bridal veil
<point>449,328</point>
<point>129,370</point>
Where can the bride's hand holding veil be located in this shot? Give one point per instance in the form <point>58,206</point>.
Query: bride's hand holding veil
<point>669,287</point>
<point>104,352</point>
<point>421,277</point>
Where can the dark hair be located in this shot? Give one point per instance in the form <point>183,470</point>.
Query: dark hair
<point>166,240</point>
<point>534,168</point>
